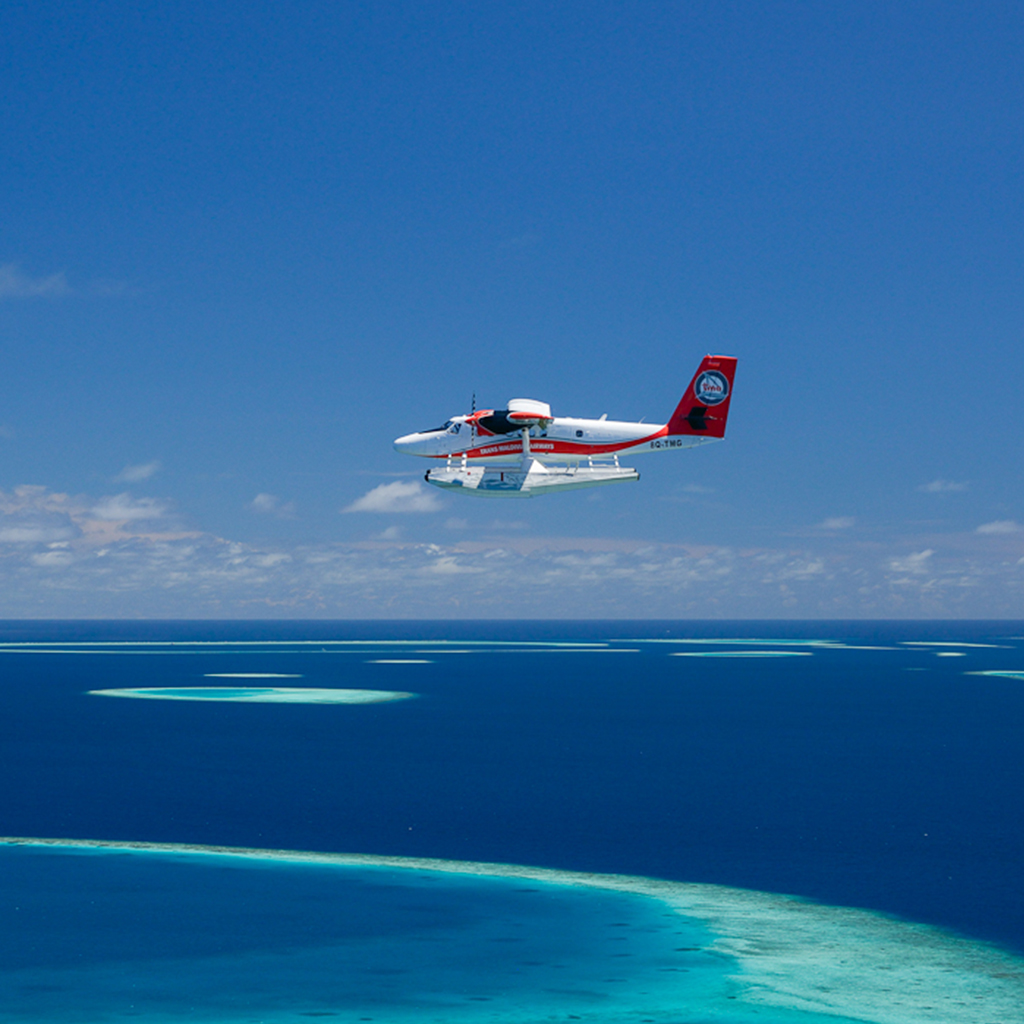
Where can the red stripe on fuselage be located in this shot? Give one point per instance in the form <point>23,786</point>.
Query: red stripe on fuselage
<point>540,446</point>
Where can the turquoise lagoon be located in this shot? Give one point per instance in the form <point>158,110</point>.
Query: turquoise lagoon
<point>105,932</point>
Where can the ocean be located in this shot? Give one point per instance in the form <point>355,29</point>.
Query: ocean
<point>519,821</point>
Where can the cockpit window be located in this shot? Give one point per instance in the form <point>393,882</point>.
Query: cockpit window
<point>449,426</point>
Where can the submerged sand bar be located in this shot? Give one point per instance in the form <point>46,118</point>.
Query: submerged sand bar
<point>258,694</point>
<point>790,954</point>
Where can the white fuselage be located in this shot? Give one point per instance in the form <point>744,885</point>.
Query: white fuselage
<point>561,439</point>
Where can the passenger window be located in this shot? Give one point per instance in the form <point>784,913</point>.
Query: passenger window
<point>579,433</point>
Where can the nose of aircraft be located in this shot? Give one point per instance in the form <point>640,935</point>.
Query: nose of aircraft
<point>406,443</point>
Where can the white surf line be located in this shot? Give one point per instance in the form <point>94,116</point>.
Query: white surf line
<point>253,675</point>
<point>829,645</point>
<point>790,953</point>
<point>539,650</point>
<point>149,652</point>
<point>398,661</point>
<point>552,650</point>
<point>1002,673</point>
<point>257,695</point>
<point>951,643</point>
<point>737,642</point>
<point>19,645</point>
<point>594,649</point>
<point>741,654</point>
<point>51,650</point>
<point>313,653</point>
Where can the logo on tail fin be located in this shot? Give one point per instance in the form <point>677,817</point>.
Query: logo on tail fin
<point>711,387</point>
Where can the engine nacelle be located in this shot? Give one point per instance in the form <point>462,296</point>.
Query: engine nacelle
<point>529,412</point>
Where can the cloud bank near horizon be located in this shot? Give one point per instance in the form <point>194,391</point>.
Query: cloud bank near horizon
<point>115,557</point>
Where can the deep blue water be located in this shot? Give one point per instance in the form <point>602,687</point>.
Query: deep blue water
<point>883,779</point>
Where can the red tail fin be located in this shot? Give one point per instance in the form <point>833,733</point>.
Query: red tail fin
<point>704,407</point>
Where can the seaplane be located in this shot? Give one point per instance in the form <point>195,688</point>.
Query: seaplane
<point>524,450</point>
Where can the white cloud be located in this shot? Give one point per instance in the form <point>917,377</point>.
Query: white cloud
<point>941,486</point>
<point>837,523</point>
<point>143,471</point>
<point>801,569</point>
<point>271,504</point>
<point>33,515</point>
<point>120,508</point>
<point>1000,526</point>
<point>917,562</point>
<point>52,559</point>
<point>14,284</point>
<point>397,497</point>
<point>391,533</point>
<point>448,566</point>
<point>270,560</point>
<point>35,533</point>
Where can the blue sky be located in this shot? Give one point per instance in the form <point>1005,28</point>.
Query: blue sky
<point>244,246</point>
